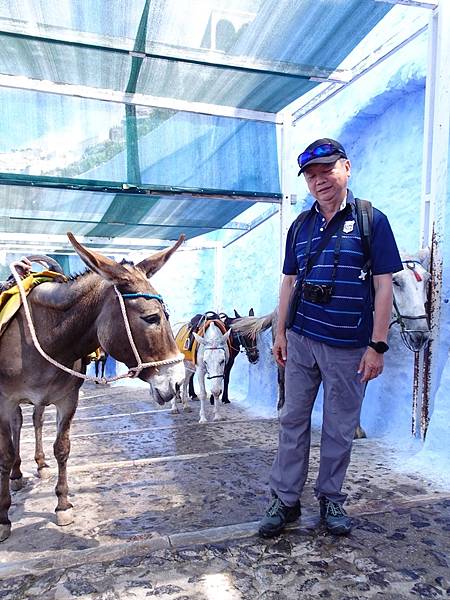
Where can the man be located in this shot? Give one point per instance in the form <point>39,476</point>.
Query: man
<point>337,336</point>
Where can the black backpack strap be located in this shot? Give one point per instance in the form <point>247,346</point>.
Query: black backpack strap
<point>364,215</point>
<point>297,226</point>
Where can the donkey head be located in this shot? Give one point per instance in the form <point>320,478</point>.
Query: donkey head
<point>213,356</point>
<point>246,340</point>
<point>146,315</point>
<point>410,298</point>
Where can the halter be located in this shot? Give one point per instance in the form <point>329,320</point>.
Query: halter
<point>132,372</point>
<point>214,348</point>
<point>404,331</point>
<point>241,341</point>
<point>240,338</point>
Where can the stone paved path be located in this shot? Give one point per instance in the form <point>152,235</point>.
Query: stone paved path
<point>168,508</point>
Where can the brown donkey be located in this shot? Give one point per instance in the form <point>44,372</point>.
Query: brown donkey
<point>71,320</point>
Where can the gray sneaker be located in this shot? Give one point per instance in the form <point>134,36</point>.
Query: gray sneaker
<point>335,518</point>
<point>277,516</point>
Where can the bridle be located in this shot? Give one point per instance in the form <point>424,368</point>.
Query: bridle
<point>208,376</point>
<point>132,371</point>
<point>247,348</point>
<point>400,319</point>
<point>240,337</point>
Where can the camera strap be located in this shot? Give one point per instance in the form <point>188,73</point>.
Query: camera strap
<point>335,226</point>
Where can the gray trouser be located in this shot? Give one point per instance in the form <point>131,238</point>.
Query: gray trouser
<point>308,364</point>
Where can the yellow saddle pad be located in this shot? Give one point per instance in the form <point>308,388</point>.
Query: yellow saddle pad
<point>10,300</point>
<point>183,338</point>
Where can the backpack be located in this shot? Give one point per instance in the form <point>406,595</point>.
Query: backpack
<point>364,216</point>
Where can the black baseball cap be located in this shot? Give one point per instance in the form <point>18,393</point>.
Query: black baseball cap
<point>324,150</point>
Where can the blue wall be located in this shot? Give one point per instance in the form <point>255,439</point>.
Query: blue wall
<point>379,119</point>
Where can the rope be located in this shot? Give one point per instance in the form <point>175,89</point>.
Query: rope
<point>132,372</point>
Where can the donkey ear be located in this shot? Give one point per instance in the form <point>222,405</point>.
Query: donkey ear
<point>251,313</point>
<point>198,338</point>
<point>424,257</point>
<point>152,264</point>
<point>226,335</point>
<point>236,314</point>
<point>102,265</point>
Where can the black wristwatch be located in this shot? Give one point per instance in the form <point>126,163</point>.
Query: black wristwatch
<point>380,347</point>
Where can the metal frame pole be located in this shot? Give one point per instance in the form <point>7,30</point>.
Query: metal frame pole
<point>435,187</point>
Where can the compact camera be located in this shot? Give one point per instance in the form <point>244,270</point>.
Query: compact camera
<point>318,293</point>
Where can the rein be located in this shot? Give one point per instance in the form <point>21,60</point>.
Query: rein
<point>132,371</point>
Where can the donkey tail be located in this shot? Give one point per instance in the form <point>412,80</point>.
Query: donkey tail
<point>253,325</point>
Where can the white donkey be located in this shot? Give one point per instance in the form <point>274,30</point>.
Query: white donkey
<point>410,299</point>
<point>212,356</point>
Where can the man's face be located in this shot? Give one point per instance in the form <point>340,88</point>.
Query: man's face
<point>328,182</point>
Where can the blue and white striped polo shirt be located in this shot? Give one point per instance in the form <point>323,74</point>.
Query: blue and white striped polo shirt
<point>347,320</point>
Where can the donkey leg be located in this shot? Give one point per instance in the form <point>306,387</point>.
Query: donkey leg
<point>226,380</point>
<point>6,461</point>
<point>188,378</point>
<point>359,433</point>
<point>43,469</point>
<point>202,396</point>
<point>61,447</point>
<point>173,404</point>
<point>280,388</point>
<point>217,414</point>
<point>16,427</point>
<point>192,394</point>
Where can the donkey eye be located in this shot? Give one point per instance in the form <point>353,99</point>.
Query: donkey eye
<point>152,319</point>
<point>397,283</point>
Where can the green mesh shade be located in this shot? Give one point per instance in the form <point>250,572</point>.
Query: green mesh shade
<point>257,55</point>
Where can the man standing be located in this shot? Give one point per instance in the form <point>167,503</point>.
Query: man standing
<point>337,335</point>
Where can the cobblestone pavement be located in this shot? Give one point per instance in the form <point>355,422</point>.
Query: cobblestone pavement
<point>167,508</point>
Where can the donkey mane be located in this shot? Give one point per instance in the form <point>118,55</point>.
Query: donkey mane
<point>251,326</point>
<point>87,270</point>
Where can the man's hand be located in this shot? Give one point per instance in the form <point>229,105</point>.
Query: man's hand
<point>279,349</point>
<point>371,365</point>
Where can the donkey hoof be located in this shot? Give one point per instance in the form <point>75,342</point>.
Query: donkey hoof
<point>64,517</point>
<point>16,484</point>
<point>5,532</point>
<point>187,409</point>
<point>217,418</point>
<point>174,411</point>
<point>360,434</point>
<point>203,420</point>
<point>44,472</point>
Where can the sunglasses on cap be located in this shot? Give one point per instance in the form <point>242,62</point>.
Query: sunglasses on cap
<point>319,152</point>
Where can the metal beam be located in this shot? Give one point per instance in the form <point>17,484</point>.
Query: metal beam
<point>387,49</point>
<point>60,243</point>
<point>255,223</point>
<point>83,91</point>
<point>116,187</point>
<point>232,225</point>
<point>435,188</point>
<point>196,56</point>
<point>416,3</point>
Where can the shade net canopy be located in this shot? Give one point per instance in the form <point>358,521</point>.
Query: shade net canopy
<point>105,97</point>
